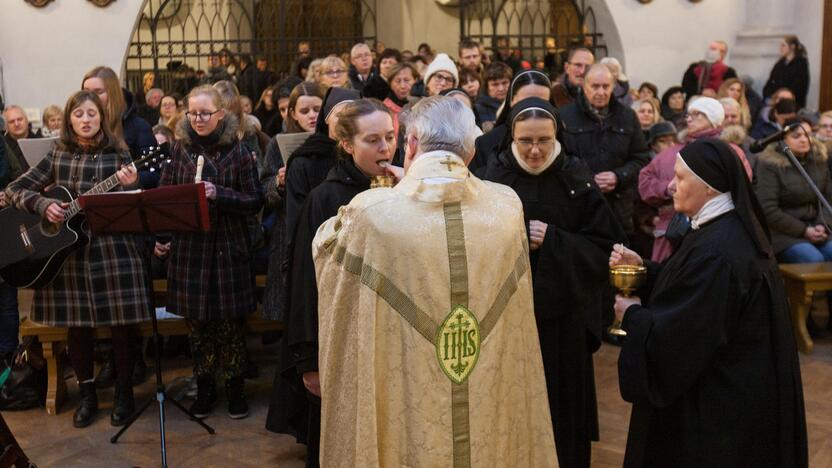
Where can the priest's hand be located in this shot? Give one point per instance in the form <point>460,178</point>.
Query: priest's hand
<point>394,171</point>
<point>622,303</point>
<point>621,255</point>
<point>312,383</point>
<point>537,232</point>
<point>210,190</point>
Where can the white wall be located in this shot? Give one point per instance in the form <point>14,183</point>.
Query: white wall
<point>404,24</point>
<point>660,39</point>
<point>46,51</point>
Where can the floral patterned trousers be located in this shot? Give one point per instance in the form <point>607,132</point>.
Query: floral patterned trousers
<point>218,344</point>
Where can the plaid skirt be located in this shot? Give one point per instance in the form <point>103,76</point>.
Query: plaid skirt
<point>103,284</point>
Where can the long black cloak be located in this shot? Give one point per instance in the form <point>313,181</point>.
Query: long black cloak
<point>293,410</point>
<point>710,362</point>
<point>568,270</point>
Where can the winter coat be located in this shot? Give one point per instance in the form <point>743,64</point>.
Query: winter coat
<point>693,82</point>
<point>210,275</point>
<point>138,134</point>
<point>615,143</point>
<point>788,202</point>
<point>793,75</point>
<point>307,168</point>
<point>487,107</point>
<point>274,295</point>
<point>357,81</point>
<point>564,92</point>
<point>103,283</point>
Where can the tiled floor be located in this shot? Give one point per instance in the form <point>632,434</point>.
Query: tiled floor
<point>52,441</point>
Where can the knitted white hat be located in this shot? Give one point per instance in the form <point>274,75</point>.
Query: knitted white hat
<point>712,109</point>
<point>442,63</point>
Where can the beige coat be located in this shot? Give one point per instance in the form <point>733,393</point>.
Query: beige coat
<point>402,273</point>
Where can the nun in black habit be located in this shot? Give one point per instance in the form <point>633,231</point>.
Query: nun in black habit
<point>528,83</point>
<point>571,229</point>
<point>710,362</point>
<point>310,163</point>
<point>296,405</point>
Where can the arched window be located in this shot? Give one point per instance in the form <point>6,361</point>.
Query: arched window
<point>177,38</point>
<point>541,31</point>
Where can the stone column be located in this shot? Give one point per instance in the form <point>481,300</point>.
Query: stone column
<point>756,48</point>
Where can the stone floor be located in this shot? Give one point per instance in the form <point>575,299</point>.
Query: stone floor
<point>51,441</point>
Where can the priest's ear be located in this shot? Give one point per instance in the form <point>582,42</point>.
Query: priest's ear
<point>411,146</point>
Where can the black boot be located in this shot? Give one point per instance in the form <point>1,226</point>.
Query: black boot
<point>206,396</point>
<point>106,377</point>
<point>139,370</point>
<point>88,406</point>
<point>123,404</point>
<point>236,395</point>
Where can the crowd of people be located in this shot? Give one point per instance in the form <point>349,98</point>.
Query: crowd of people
<point>592,163</point>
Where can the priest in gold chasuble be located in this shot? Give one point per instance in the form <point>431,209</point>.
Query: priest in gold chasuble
<point>429,354</point>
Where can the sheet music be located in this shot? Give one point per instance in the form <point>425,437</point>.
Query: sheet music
<point>289,142</point>
<point>35,149</point>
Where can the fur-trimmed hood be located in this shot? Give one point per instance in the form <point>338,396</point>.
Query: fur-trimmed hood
<point>773,156</point>
<point>229,131</point>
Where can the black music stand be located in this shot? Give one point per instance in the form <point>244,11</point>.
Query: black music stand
<point>177,208</point>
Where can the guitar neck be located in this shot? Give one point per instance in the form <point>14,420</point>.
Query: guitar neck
<point>103,187</point>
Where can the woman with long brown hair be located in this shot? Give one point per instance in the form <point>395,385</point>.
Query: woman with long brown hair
<point>103,283</point>
<point>304,107</point>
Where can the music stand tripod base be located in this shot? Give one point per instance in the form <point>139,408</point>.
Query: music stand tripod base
<point>178,208</point>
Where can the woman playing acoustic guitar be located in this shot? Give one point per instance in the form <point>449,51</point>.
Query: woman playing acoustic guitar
<point>104,282</point>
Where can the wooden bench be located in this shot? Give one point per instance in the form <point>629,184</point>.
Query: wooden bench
<point>803,280</point>
<point>53,340</point>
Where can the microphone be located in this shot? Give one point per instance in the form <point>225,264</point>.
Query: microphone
<point>761,144</point>
<point>200,161</point>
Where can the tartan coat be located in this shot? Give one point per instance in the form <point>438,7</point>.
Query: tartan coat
<point>210,275</point>
<point>105,282</point>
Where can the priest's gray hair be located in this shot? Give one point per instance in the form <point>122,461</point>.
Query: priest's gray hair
<point>443,123</point>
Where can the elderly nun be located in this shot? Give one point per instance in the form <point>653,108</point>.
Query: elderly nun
<point>710,362</point>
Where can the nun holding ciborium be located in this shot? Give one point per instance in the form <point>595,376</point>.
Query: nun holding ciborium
<point>710,361</point>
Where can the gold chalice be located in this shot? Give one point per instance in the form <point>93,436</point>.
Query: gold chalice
<point>380,181</point>
<point>625,278</point>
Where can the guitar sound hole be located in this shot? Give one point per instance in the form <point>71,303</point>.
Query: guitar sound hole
<point>49,229</point>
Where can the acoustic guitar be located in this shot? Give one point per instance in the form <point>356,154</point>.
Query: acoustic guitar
<point>34,249</point>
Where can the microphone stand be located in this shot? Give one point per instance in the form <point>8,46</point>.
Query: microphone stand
<point>788,152</point>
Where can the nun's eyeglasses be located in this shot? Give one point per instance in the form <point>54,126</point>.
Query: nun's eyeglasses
<point>528,143</point>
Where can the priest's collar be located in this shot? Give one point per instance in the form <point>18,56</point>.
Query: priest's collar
<point>438,165</point>
<point>438,177</point>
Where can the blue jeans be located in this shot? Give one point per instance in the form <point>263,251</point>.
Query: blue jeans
<point>804,252</point>
<point>9,318</point>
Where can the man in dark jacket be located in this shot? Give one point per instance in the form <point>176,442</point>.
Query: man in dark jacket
<point>361,68</point>
<point>17,127</point>
<point>263,78</point>
<point>709,73</point>
<point>246,77</point>
<point>607,135</point>
<point>568,87</point>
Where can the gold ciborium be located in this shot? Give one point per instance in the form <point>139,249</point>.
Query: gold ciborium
<point>625,278</point>
<point>380,181</point>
